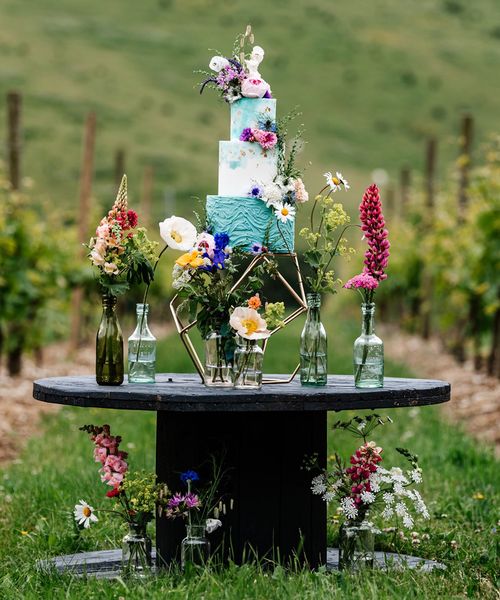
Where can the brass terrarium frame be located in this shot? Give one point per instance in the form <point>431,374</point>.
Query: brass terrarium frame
<point>300,297</point>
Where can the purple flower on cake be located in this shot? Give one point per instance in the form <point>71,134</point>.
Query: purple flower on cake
<point>257,248</point>
<point>363,280</point>
<point>247,135</point>
<point>284,212</point>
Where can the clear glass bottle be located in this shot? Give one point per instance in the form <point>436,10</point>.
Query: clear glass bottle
<point>356,545</point>
<point>109,369</point>
<point>217,362</point>
<point>195,547</point>
<point>136,550</point>
<point>368,353</point>
<point>142,349</point>
<point>313,345</point>
<point>248,359</point>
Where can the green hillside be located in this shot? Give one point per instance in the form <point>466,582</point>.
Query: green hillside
<point>372,79</point>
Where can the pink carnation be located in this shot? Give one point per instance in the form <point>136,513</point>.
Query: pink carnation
<point>363,280</point>
<point>266,139</point>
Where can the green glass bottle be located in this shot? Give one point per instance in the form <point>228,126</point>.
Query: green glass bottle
<point>109,368</point>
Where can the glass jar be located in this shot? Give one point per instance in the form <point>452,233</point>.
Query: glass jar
<point>218,363</point>
<point>142,349</point>
<point>313,346</point>
<point>195,547</point>
<point>109,369</point>
<point>368,353</point>
<point>136,550</point>
<point>248,359</point>
<point>356,545</point>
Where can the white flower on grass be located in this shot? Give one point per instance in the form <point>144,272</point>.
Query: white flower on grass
<point>407,521</point>
<point>336,182</point>
<point>178,233</point>
<point>84,513</point>
<point>416,475</point>
<point>318,485</point>
<point>387,512</point>
<point>397,475</point>
<point>212,524</point>
<point>420,505</point>
<point>329,496</point>
<point>361,426</point>
<point>367,497</point>
<point>374,480</point>
<point>348,508</point>
<point>284,212</point>
<point>388,498</point>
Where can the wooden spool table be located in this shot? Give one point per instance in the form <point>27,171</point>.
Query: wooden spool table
<point>264,436</point>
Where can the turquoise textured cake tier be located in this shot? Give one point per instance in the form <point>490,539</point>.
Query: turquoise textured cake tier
<point>247,112</point>
<point>249,220</point>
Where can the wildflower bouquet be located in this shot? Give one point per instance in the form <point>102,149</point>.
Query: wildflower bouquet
<point>364,485</point>
<point>322,237</point>
<point>122,253</point>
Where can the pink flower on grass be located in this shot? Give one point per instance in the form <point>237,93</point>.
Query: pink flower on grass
<point>363,280</point>
<point>100,454</point>
<point>373,226</point>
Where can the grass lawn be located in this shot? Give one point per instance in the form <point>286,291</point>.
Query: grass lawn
<point>38,491</point>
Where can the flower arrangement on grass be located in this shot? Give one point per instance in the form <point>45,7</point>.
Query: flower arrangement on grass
<point>122,253</point>
<point>365,486</point>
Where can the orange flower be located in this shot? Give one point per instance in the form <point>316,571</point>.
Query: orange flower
<point>191,260</point>
<point>254,302</point>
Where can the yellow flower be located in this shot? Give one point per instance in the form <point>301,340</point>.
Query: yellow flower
<point>478,496</point>
<point>24,532</point>
<point>191,260</point>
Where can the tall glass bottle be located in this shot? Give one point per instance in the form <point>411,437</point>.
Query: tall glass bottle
<point>109,368</point>
<point>313,346</point>
<point>142,349</point>
<point>368,353</point>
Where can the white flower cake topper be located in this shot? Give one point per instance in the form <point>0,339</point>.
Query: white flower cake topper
<point>254,61</point>
<point>254,86</point>
<point>218,63</point>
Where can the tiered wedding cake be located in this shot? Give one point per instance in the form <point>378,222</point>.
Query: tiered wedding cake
<point>255,204</point>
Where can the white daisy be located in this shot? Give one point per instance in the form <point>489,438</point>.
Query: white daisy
<point>84,513</point>
<point>336,182</point>
<point>284,212</point>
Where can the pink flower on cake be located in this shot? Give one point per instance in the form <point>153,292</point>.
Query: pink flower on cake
<point>254,88</point>
<point>266,139</point>
<point>206,244</point>
<point>301,194</point>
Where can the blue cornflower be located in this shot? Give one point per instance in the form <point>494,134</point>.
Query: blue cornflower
<point>189,476</point>
<point>221,240</point>
<point>256,192</point>
<point>267,125</point>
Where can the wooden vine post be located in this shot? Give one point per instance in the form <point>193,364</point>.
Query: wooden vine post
<point>464,163</point>
<point>405,181</point>
<point>427,283</point>
<point>83,222</point>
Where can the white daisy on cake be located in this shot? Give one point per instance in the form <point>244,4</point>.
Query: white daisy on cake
<point>336,182</point>
<point>285,212</point>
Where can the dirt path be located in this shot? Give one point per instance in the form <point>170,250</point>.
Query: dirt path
<point>475,398</point>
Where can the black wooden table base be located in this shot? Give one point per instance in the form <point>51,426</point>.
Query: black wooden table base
<point>106,564</point>
<point>262,437</point>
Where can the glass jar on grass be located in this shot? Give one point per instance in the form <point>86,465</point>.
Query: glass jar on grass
<point>368,353</point>
<point>313,345</point>
<point>218,359</point>
<point>142,349</point>
<point>356,545</point>
<point>195,547</point>
<point>109,345</point>
<point>248,359</point>
<point>136,550</point>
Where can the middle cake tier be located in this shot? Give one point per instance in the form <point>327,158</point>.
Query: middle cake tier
<point>248,221</point>
<point>242,165</point>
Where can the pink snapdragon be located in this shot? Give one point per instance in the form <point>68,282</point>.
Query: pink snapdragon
<point>373,227</point>
<point>363,280</point>
<point>106,451</point>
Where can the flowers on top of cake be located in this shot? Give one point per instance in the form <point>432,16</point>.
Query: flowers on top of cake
<point>238,75</point>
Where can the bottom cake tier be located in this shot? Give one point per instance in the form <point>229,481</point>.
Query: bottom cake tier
<point>248,221</point>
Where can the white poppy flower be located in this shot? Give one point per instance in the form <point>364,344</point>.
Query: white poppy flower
<point>178,233</point>
<point>218,63</point>
<point>84,514</point>
<point>212,524</point>
<point>249,324</point>
<point>284,212</point>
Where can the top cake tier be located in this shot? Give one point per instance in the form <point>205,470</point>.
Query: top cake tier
<point>249,112</point>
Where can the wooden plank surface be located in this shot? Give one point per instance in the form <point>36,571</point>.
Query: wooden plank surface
<point>184,393</point>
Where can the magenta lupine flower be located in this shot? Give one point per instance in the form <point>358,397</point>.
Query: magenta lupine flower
<point>247,135</point>
<point>363,280</point>
<point>373,226</point>
<point>191,500</point>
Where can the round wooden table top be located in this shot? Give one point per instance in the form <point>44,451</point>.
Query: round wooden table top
<point>182,392</point>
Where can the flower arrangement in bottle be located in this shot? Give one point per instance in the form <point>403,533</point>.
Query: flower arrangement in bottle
<point>368,353</point>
